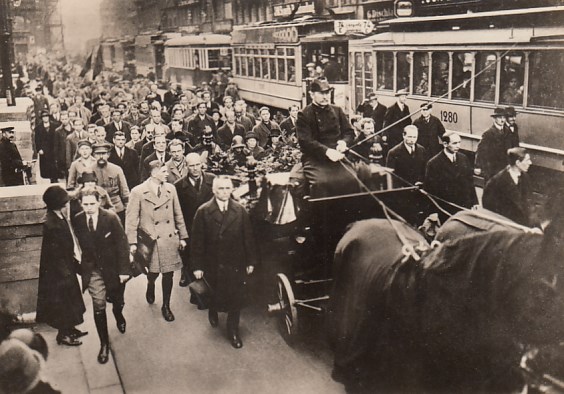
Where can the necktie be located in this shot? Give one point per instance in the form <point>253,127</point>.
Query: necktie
<point>454,158</point>
<point>159,192</point>
<point>121,153</point>
<point>90,224</point>
<point>197,184</point>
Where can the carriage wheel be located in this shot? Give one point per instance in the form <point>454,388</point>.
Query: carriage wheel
<point>288,318</point>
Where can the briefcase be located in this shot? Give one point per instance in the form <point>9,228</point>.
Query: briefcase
<point>200,287</point>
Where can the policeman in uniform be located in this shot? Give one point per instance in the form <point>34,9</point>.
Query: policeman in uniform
<point>11,162</point>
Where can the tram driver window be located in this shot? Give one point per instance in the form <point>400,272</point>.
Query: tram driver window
<point>546,80</point>
<point>486,66</point>
<point>385,70</point>
<point>439,74</point>
<point>291,70</point>
<point>462,75</point>
<point>512,74</point>
<point>420,73</point>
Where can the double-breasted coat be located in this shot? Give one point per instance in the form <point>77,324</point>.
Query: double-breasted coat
<point>491,154</point>
<point>45,140</point>
<point>430,133</point>
<point>59,300</point>
<point>161,218</point>
<point>410,167</point>
<point>222,246</point>
<point>450,181</point>
<point>191,198</point>
<point>129,163</point>
<point>10,163</point>
<point>394,133</point>
<point>106,249</point>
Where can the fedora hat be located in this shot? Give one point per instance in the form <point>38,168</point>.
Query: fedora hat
<point>510,111</point>
<point>402,92</point>
<point>498,112</point>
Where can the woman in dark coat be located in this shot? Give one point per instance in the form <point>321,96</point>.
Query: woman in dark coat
<point>45,145</point>
<point>59,299</point>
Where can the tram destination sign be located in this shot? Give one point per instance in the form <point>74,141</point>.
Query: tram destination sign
<point>350,26</point>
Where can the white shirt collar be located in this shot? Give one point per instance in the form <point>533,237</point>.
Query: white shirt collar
<point>94,218</point>
<point>515,174</point>
<point>450,155</point>
<point>223,205</point>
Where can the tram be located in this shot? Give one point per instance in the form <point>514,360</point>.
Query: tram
<point>270,59</point>
<point>190,60</point>
<point>468,63</point>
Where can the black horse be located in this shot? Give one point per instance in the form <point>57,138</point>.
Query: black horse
<point>457,320</point>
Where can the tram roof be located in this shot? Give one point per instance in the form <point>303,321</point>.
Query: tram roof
<point>202,39</point>
<point>505,36</point>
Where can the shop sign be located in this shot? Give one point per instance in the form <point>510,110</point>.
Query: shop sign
<point>287,8</point>
<point>379,12</point>
<point>350,26</point>
<point>287,34</point>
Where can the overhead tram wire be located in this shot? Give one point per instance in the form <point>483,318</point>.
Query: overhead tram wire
<point>433,101</point>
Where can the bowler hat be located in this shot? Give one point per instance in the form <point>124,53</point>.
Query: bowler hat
<point>274,133</point>
<point>498,112</point>
<point>402,92</point>
<point>237,142</point>
<point>510,111</point>
<point>320,85</point>
<point>55,197</point>
<point>103,148</point>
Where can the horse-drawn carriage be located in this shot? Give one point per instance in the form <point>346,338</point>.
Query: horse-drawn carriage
<point>405,315</point>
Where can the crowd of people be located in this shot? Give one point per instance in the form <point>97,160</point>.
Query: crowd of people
<point>149,180</point>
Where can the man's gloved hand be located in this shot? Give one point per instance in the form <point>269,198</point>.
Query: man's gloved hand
<point>334,155</point>
<point>341,146</point>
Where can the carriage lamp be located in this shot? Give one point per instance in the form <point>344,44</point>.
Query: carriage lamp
<point>376,154</point>
<point>251,165</point>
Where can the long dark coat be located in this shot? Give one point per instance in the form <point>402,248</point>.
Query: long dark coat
<point>222,246</point>
<point>191,199</point>
<point>10,161</point>
<point>503,196</point>
<point>59,300</point>
<point>394,133</point>
<point>453,182</point>
<point>226,136</point>
<point>376,114</point>
<point>45,140</point>
<point>106,249</point>
<point>430,133</point>
<point>491,154</point>
<point>129,164</point>
<point>407,166</point>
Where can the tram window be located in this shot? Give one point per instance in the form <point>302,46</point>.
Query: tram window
<point>485,82</point>
<point>512,77</point>
<point>403,69</point>
<point>546,80</point>
<point>385,70</point>
<point>462,75</point>
<point>358,82</point>
<point>255,60</point>
<point>290,52</point>
<point>420,73</point>
<point>272,64</point>
<point>251,57</point>
<point>439,74</point>
<point>244,65</point>
<point>265,72</point>
<point>368,82</point>
<point>291,70</point>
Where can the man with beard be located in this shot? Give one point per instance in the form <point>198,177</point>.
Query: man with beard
<point>11,163</point>
<point>193,189</point>
<point>111,178</point>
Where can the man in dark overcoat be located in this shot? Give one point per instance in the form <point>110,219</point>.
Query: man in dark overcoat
<point>288,125</point>
<point>511,128</point>
<point>509,192</point>
<point>125,158</point>
<point>193,190</point>
<point>105,263</point>
<point>45,139</point>
<point>491,154</point>
<point>408,159</point>
<point>324,133</point>
<point>430,130</point>
<point>449,175</point>
<point>393,135</point>
<point>11,163</point>
<point>371,108</point>
<point>223,252</point>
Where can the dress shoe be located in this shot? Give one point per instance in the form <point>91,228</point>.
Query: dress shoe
<point>236,341</point>
<point>213,318</point>
<point>183,281</point>
<point>68,340</point>
<point>104,354</point>
<point>120,320</point>
<point>167,313</point>
<point>150,294</point>
<point>121,326</point>
<point>75,332</point>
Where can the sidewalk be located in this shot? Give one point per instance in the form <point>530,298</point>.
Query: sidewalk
<point>75,370</point>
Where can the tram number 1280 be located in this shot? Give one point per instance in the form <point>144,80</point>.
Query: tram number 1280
<point>449,117</point>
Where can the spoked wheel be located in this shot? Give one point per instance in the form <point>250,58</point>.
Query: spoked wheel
<point>288,314</point>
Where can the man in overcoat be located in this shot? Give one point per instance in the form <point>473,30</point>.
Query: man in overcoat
<point>430,130</point>
<point>449,175</point>
<point>126,158</point>
<point>105,263</point>
<point>324,133</point>
<point>408,159</point>
<point>398,112</point>
<point>371,108</point>
<point>223,252</point>
<point>509,192</point>
<point>193,190</point>
<point>264,127</point>
<point>154,212</point>
<point>45,139</point>
<point>11,163</point>
<point>491,154</point>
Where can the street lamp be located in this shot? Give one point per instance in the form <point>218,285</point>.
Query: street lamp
<point>5,51</point>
